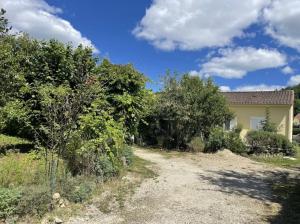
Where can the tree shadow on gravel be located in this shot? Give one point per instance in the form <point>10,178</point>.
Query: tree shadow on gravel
<point>265,186</point>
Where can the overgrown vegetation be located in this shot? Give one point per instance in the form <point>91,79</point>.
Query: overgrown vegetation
<point>269,143</point>
<point>76,114</point>
<point>219,139</point>
<point>67,120</point>
<point>185,108</point>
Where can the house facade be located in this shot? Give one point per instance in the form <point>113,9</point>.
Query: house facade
<point>250,109</point>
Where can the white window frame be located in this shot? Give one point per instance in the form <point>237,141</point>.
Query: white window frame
<point>258,125</point>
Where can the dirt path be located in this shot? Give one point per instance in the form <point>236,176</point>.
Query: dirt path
<point>219,188</point>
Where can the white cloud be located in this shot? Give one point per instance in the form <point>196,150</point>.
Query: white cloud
<point>283,18</point>
<point>195,24</point>
<point>224,88</point>
<point>287,70</point>
<point>294,80</point>
<point>194,73</point>
<point>260,87</point>
<point>41,21</point>
<point>236,63</point>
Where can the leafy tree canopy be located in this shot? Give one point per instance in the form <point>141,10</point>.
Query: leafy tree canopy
<point>3,23</point>
<point>186,107</point>
<point>126,92</point>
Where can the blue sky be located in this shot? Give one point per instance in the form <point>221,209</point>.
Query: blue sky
<point>242,45</point>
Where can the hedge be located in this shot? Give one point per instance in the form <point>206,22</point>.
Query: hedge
<point>269,143</point>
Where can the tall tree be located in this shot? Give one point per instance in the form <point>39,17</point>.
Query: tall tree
<point>186,107</point>
<point>126,92</point>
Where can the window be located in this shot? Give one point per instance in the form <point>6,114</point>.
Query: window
<point>230,124</point>
<point>255,123</point>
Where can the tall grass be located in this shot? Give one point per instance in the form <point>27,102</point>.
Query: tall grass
<point>10,140</point>
<point>18,169</point>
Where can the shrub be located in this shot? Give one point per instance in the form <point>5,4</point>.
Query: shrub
<point>77,189</point>
<point>196,144</point>
<point>219,139</point>
<point>105,168</point>
<point>128,154</point>
<point>35,200</point>
<point>268,142</point>
<point>8,201</point>
<point>216,140</point>
<point>234,143</point>
<point>80,193</point>
<point>296,130</point>
<point>14,119</point>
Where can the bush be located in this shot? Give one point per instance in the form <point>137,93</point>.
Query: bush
<point>77,189</point>
<point>296,130</point>
<point>105,168</point>
<point>196,144</point>
<point>268,142</point>
<point>35,200</point>
<point>81,193</point>
<point>128,154</point>
<point>9,199</point>
<point>219,139</point>
<point>234,143</point>
<point>14,119</point>
<point>216,140</point>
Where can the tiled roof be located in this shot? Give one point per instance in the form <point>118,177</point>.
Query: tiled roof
<point>282,97</point>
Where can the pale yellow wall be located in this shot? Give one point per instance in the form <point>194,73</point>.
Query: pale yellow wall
<point>281,115</point>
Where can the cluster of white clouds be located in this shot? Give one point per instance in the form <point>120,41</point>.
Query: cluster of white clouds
<point>195,24</point>
<point>245,88</point>
<point>237,62</point>
<point>282,17</point>
<point>42,21</point>
<point>294,80</point>
<point>198,24</point>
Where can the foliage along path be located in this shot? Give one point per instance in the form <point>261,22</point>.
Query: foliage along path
<point>202,188</point>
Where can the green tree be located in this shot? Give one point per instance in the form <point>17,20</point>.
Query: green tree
<point>185,108</point>
<point>267,125</point>
<point>297,98</point>
<point>61,108</point>
<point>26,64</point>
<point>126,92</point>
<point>3,23</point>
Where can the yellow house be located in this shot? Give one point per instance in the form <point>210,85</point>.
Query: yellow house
<point>250,109</point>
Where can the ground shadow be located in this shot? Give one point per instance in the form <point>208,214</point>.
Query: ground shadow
<point>267,186</point>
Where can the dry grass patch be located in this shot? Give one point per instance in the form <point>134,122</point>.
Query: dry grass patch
<point>115,192</point>
<point>110,195</point>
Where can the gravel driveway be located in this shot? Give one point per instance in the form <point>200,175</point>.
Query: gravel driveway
<point>200,188</point>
